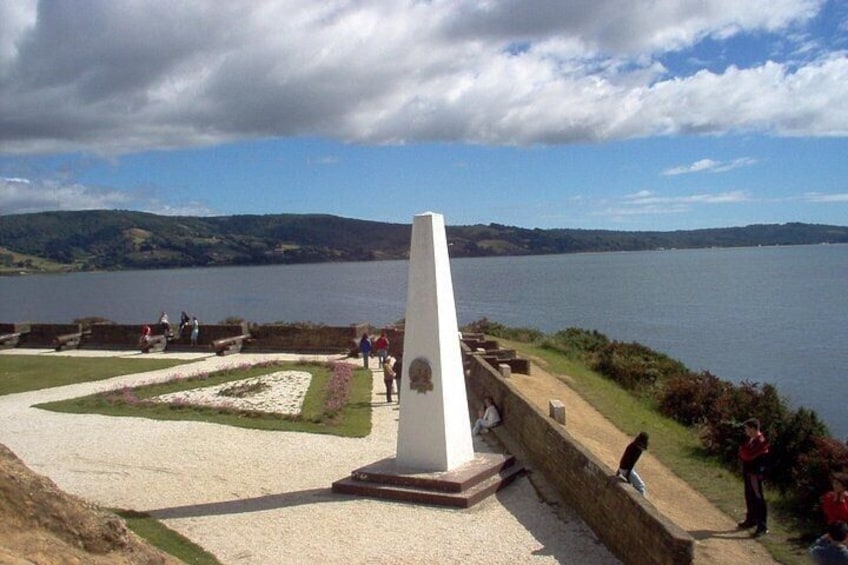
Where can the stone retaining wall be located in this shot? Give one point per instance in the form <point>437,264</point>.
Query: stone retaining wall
<point>628,524</point>
<point>304,339</point>
<point>43,335</point>
<point>271,337</point>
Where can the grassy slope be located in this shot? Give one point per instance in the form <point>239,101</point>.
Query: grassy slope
<point>676,446</point>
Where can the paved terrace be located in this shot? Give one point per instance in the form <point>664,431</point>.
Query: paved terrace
<point>252,496</point>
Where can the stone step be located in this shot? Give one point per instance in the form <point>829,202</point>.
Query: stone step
<point>461,488</point>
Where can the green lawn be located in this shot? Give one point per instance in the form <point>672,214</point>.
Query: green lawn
<point>677,446</point>
<point>22,373</point>
<point>166,539</point>
<point>353,421</point>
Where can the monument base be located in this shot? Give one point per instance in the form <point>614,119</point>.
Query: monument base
<point>462,487</point>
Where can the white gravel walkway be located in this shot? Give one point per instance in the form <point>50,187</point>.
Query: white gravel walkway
<point>259,497</point>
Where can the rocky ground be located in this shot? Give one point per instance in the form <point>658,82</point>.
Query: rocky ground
<point>41,524</point>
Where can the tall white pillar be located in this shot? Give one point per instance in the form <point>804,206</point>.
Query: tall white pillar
<point>434,432</point>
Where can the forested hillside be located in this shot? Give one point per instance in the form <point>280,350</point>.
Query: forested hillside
<point>98,240</point>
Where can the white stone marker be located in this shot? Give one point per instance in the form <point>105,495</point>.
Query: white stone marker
<point>434,433</point>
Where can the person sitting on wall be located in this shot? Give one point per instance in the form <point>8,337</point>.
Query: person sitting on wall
<point>145,335</point>
<point>488,417</point>
<point>627,464</point>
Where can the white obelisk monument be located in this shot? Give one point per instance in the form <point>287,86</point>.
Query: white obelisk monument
<point>434,432</point>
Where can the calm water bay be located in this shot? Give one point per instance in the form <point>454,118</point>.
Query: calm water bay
<point>772,314</point>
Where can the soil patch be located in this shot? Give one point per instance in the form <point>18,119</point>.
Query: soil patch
<point>41,524</point>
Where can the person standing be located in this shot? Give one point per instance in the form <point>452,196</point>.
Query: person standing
<point>389,376</point>
<point>753,454</point>
<point>397,367</point>
<point>184,323</point>
<point>164,324</point>
<point>365,349</point>
<point>381,346</point>
<point>627,464</point>
<point>195,330</point>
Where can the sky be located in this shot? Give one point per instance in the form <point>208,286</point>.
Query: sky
<point>588,114</point>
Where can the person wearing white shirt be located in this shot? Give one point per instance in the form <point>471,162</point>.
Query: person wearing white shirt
<point>489,417</point>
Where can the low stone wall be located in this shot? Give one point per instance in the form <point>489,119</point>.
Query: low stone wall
<point>126,336</point>
<point>304,339</point>
<point>267,338</point>
<point>628,524</point>
<point>44,335</point>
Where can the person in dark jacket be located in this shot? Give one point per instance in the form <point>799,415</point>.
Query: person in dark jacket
<point>627,465</point>
<point>365,349</point>
<point>753,454</point>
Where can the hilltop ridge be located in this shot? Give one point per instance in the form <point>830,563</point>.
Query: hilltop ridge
<point>118,240</point>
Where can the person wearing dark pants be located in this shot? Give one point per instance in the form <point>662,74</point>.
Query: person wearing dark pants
<point>753,454</point>
<point>389,376</point>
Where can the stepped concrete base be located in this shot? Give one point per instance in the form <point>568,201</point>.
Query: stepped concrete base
<point>462,487</point>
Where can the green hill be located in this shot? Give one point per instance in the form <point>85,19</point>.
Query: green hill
<point>114,240</point>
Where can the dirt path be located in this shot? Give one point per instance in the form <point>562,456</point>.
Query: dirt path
<point>717,539</point>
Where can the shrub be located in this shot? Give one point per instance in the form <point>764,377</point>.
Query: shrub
<point>792,438</point>
<point>484,326</point>
<point>811,472</point>
<point>750,400</point>
<point>635,366</point>
<point>576,343</point>
<point>722,438</point>
<point>691,398</point>
<point>723,432</point>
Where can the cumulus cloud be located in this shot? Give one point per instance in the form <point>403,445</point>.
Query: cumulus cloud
<point>710,166</point>
<point>120,76</point>
<point>22,196</point>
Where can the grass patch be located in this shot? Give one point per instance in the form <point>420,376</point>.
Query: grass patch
<point>22,373</point>
<point>676,446</point>
<point>166,539</point>
<point>351,420</point>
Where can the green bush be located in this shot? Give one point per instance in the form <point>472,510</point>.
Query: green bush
<point>812,470</point>
<point>636,367</point>
<point>576,343</point>
<point>792,437</point>
<point>494,329</point>
<point>691,398</point>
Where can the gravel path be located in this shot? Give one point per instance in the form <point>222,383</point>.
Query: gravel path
<point>261,497</point>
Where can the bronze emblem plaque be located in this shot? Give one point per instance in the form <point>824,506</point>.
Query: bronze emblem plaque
<point>420,375</point>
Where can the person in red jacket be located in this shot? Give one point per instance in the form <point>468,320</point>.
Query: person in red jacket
<point>753,453</point>
<point>835,503</point>
<point>381,347</point>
